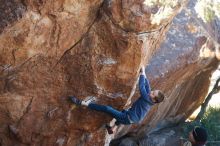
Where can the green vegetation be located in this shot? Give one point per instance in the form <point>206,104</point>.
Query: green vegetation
<point>208,9</point>
<point>211,121</point>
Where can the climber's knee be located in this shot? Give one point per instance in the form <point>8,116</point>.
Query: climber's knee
<point>108,108</point>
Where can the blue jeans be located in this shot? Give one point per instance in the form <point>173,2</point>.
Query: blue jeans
<point>120,116</point>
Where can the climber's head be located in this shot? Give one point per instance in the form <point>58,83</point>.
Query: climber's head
<point>157,96</point>
<point>198,136</point>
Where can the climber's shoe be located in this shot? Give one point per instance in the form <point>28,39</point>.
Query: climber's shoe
<point>88,100</point>
<point>75,100</point>
<point>109,129</point>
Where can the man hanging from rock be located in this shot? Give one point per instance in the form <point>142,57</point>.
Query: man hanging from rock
<point>136,113</point>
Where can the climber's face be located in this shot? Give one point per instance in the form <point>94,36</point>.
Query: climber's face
<point>153,95</point>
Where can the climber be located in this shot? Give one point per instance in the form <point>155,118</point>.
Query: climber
<point>197,137</point>
<point>138,110</point>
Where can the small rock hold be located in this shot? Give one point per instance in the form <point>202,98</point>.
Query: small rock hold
<point>60,141</point>
<point>13,129</point>
<point>51,113</point>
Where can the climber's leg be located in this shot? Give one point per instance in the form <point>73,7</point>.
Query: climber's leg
<point>121,117</point>
<point>118,115</point>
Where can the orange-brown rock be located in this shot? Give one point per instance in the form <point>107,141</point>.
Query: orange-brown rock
<point>51,49</point>
<point>182,67</point>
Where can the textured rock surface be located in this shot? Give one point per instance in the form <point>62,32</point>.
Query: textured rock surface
<point>50,49</point>
<point>164,137</point>
<point>182,67</point>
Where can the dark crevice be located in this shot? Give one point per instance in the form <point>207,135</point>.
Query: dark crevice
<point>9,73</point>
<point>155,30</point>
<point>13,55</point>
<point>26,110</point>
<point>132,31</point>
<point>97,18</point>
<point>82,37</point>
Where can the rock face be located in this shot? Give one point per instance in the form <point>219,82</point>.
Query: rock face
<point>51,49</point>
<point>182,67</point>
